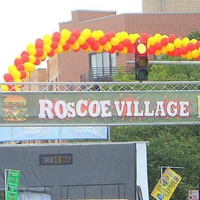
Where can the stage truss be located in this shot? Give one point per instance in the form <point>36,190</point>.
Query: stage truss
<point>107,86</point>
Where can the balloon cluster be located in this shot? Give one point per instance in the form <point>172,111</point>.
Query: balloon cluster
<point>95,41</point>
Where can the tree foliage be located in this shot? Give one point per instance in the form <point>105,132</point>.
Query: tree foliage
<point>168,145</point>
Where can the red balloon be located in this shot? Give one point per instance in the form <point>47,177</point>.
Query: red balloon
<point>170,53</point>
<point>56,37</point>
<point>39,43</point>
<point>25,58</point>
<point>84,46</point>
<point>131,48</point>
<point>191,46</point>
<point>164,41</point>
<point>95,46</point>
<point>24,53</point>
<point>144,37</point>
<point>17,61</point>
<point>176,52</point>
<point>172,37</point>
<point>54,45</point>
<point>109,35</point>
<point>39,52</point>
<point>120,47</point>
<point>75,33</point>
<point>102,40</point>
<point>126,42</point>
<point>37,61</point>
<point>51,53</point>
<point>8,78</point>
<point>112,50</point>
<point>23,74</point>
<point>183,50</point>
<point>20,67</point>
<point>66,46</point>
<point>72,40</point>
<point>158,46</point>
<point>90,40</point>
<point>197,45</point>
<point>112,34</point>
<point>198,59</point>
<point>151,50</point>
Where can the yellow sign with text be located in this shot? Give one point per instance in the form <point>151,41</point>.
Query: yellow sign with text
<point>166,185</point>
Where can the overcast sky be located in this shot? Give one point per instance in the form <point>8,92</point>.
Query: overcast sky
<point>23,21</point>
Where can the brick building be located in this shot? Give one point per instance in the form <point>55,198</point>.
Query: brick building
<point>170,6</point>
<point>72,66</point>
<point>164,17</point>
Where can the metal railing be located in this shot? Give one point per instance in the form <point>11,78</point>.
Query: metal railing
<point>105,86</point>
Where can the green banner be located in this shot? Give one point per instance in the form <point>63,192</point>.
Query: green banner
<point>100,108</point>
<point>12,185</point>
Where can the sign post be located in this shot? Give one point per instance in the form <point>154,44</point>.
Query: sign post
<point>166,185</point>
<point>12,183</point>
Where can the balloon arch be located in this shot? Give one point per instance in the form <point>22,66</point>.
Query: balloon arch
<point>95,41</point>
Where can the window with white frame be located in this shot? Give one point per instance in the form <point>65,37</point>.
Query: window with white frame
<point>102,64</point>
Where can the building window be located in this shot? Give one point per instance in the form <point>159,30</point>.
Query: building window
<point>102,65</point>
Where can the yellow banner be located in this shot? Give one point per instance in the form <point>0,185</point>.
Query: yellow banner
<point>166,185</point>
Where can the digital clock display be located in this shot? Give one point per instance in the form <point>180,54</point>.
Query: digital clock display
<point>55,159</point>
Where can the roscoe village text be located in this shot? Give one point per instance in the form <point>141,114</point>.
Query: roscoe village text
<point>106,108</point>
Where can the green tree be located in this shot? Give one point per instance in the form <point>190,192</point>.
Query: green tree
<point>174,72</point>
<point>194,35</point>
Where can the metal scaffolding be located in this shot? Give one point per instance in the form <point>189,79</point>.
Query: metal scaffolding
<point>105,86</point>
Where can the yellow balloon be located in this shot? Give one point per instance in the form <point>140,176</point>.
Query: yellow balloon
<point>178,42</point>
<point>133,38</point>
<point>170,47</point>
<point>75,46</point>
<point>12,68</point>
<point>185,41</point>
<point>184,55</point>
<point>17,87</point>
<point>65,34</point>
<point>30,46</point>
<point>195,53</point>
<point>46,48</point>
<point>114,41</point>
<point>44,56</point>
<point>29,67</point>
<point>31,50</point>
<point>124,50</point>
<point>157,52</point>
<point>47,39</point>
<point>100,49</point>
<point>16,74</point>
<point>124,35</point>
<point>95,35</point>
<point>164,50</point>
<point>193,41</point>
<point>189,55</point>
<point>151,41</point>
<point>157,37</point>
<point>31,59</point>
<point>18,80</point>
<point>81,40</point>
<point>4,88</point>
<point>86,33</point>
<point>62,42</point>
<point>107,46</point>
<point>59,49</point>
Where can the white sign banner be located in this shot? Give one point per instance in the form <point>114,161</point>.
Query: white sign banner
<point>53,133</point>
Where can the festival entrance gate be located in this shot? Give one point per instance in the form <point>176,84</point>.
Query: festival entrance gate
<point>80,104</point>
